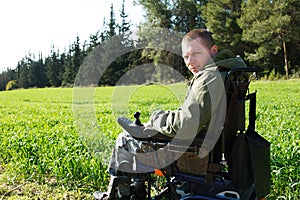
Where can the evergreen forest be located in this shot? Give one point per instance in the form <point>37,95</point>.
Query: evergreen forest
<point>266,33</point>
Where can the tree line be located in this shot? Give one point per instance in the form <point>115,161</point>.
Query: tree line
<point>266,33</point>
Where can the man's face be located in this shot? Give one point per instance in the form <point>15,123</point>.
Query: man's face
<point>196,55</point>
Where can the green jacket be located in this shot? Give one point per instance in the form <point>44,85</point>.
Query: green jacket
<point>203,105</point>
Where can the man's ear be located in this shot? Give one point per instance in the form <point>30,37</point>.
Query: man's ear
<point>214,50</point>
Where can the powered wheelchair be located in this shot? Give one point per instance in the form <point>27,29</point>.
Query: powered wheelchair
<point>238,167</point>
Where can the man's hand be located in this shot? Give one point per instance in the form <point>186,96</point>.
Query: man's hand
<point>147,124</point>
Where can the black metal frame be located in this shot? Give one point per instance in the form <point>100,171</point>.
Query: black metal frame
<point>170,189</point>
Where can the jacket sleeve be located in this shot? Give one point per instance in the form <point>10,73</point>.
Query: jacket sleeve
<point>188,120</point>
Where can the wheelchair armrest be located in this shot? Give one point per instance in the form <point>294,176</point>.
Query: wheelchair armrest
<point>151,134</point>
<point>154,135</point>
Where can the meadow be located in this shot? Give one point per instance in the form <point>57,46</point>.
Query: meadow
<point>51,149</point>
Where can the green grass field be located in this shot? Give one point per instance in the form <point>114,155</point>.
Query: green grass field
<point>48,152</point>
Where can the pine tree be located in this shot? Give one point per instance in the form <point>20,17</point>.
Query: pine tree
<point>187,15</point>
<point>23,72</point>
<point>158,13</point>
<point>112,23</point>
<point>221,19</point>
<point>36,73</point>
<point>124,28</point>
<point>54,68</point>
<point>73,61</point>
<point>271,25</point>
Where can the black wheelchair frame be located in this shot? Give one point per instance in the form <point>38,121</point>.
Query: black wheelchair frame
<point>239,165</point>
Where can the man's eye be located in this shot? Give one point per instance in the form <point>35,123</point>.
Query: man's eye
<point>192,54</point>
<point>196,53</point>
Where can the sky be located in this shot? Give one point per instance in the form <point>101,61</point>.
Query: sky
<point>34,26</point>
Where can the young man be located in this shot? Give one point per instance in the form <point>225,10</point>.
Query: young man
<point>202,114</point>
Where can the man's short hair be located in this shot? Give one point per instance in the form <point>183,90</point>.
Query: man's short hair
<point>205,35</point>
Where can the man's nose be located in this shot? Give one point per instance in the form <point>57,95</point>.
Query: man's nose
<point>189,61</point>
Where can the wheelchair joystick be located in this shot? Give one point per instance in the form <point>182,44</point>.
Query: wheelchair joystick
<point>137,119</point>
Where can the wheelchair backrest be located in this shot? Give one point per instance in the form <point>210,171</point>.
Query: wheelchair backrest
<point>236,81</point>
